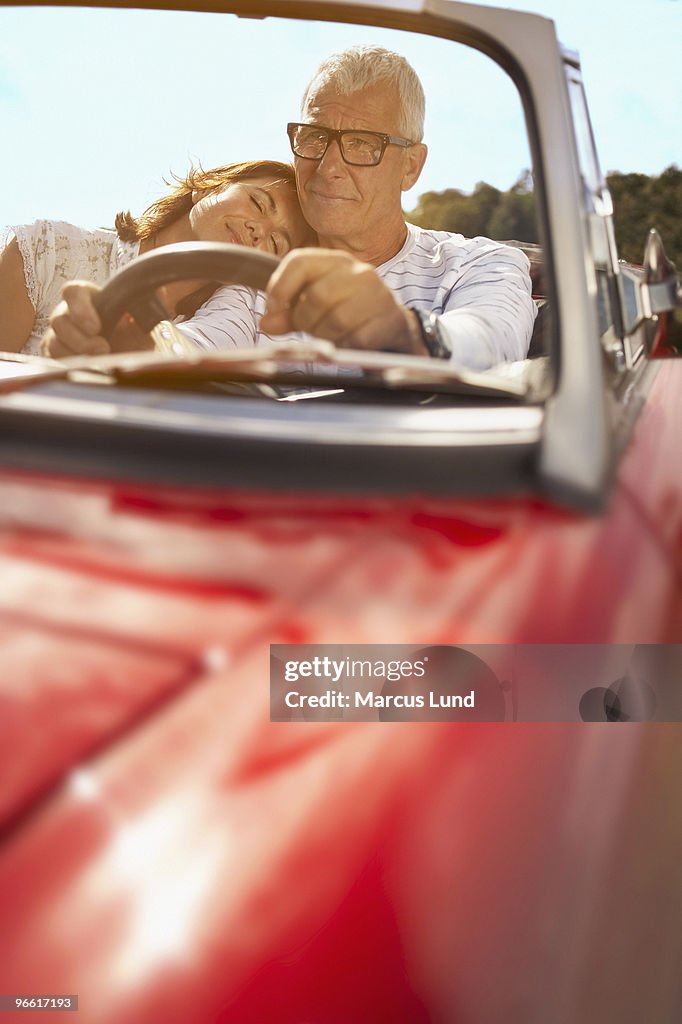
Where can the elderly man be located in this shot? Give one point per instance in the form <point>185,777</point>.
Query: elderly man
<point>375,282</point>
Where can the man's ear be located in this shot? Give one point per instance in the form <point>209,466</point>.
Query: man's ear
<point>415,158</point>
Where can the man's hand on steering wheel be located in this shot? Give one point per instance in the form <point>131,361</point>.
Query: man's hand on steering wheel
<point>332,295</point>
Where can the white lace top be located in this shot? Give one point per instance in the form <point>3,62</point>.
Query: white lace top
<point>53,253</point>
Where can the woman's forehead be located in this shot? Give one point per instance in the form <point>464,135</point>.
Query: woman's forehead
<point>275,185</point>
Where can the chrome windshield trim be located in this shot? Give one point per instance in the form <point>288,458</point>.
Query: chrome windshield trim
<point>258,419</point>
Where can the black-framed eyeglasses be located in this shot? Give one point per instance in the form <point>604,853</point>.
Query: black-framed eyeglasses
<point>362,149</point>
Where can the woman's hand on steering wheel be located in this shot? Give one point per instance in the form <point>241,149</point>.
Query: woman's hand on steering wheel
<point>96,321</point>
<point>75,327</point>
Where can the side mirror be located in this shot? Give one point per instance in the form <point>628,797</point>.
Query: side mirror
<point>650,292</point>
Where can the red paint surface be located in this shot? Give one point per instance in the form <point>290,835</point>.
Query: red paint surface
<point>204,864</point>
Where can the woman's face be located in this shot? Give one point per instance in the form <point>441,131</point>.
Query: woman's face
<point>259,213</point>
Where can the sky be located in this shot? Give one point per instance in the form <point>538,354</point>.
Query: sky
<point>97,107</point>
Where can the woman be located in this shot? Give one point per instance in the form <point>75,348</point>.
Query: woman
<point>252,204</point>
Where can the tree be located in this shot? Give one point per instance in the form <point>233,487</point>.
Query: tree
<point>640,202</point>
<point>514,216</point>
<point>452,210</point>
<point>487,211</point>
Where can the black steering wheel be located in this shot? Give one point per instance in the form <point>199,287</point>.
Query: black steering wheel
<point>132,289</point>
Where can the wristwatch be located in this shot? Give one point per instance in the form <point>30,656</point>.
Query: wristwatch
<point>433,335</point>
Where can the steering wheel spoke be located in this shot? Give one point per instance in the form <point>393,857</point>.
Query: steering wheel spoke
<point>148,310</point>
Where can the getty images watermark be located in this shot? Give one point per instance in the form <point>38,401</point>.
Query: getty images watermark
<point>476,683</point>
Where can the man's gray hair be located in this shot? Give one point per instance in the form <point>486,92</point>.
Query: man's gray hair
<point>362,66</point>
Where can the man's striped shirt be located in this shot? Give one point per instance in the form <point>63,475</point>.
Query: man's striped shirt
<point>480,290</point>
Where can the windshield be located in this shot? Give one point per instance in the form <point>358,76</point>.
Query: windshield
<point>413,292</point>
<point>115,144</point>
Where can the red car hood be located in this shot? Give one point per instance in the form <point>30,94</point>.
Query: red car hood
<point>172,855</point>
<point>115,599</point>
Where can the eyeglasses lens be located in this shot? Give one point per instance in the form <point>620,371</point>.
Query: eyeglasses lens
<point>360,148</point>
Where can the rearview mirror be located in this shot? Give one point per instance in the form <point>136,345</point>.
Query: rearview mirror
<point>654,290</point>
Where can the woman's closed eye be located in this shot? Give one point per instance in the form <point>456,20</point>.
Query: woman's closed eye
<point>280,246</point>
<point>278,242</point>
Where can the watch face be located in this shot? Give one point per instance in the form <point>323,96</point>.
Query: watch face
<point>434,337</point>
<point>437,343</point>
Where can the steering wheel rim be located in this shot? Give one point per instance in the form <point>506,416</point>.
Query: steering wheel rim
<point>131,290</point>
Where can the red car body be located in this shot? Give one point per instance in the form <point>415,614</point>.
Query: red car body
<point>332,872</point>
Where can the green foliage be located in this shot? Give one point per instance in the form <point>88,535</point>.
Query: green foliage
<point>452,210</point>
<point>640,202</point>
<point>487,211</point>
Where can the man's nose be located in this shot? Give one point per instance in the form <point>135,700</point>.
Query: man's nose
<point>332,162</point>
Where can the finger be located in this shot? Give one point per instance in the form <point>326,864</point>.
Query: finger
<point>331,309</point>
<point>343,324</point>
<point>371,335</point>
<point>314,304</point>
<point>333,305</point>
<point>331,320</point>
<point>337,305</point>
<point>298,314</point>
<point>298,270</point>
<point>348,327</point>
<point>51,346</point>
<point>63,339</point>
<point>390,330</point>
<point>277,322</point>
<point>79,297</point>
<point>326,284</point>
